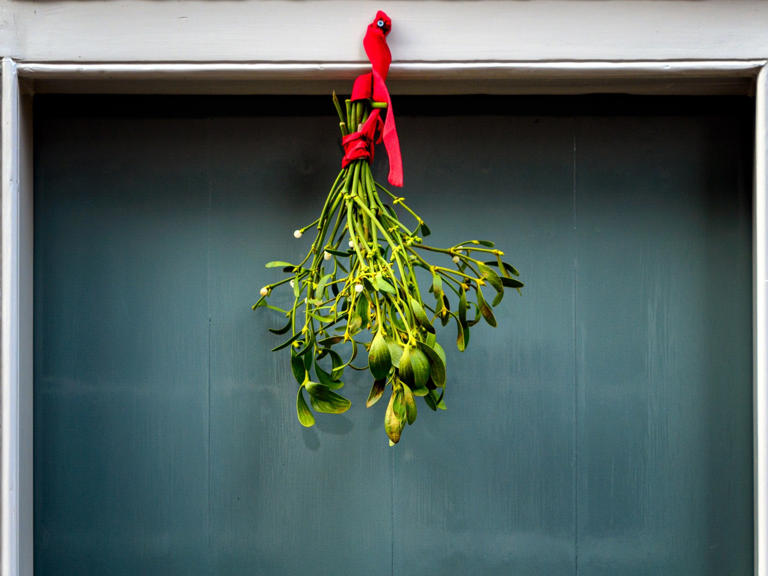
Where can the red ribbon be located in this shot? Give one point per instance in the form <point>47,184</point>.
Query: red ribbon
<point>359,145</point>
<point>372,86</point>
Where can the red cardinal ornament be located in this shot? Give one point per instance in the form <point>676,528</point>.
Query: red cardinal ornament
<point>372,86</point>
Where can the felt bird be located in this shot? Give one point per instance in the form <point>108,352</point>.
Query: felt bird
<point>373,86</point>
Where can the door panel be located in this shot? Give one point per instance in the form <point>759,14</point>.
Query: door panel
<point>604,426</point>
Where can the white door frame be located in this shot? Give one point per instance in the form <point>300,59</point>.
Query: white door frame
<point>20,80</point>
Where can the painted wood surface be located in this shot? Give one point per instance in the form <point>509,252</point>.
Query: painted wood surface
<point>331,30</point>
<point>605,426</point>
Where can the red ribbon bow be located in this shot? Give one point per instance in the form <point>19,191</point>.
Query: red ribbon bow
<point>359,145</point>
<point>372,86</point>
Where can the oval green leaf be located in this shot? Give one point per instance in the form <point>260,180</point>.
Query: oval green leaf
<point>303,412</point>
<point>436,364</point>
<point>377,391</point>
<point>297,367</point>
<point>379,359</point>
<point>485,310</point>
<point>421,315</point>
<point>324,400</point>
<point>414,367</point>
<point>395,353</point>
<point>410,404</point>
<point>393,424</point>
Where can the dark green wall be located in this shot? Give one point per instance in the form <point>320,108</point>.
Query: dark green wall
<point>604,428</point>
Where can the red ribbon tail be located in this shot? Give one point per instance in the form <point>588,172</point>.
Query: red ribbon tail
<point>392,144</point>
<point>389,134</point>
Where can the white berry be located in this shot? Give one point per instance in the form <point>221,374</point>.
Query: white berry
<point>264,291</point>
<point>351,244</point>
<point>327,255</point>
<point>456,259</point>
<point>358,288</point>
<point>297,233</point>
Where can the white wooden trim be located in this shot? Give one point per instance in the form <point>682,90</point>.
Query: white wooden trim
<point>402,70</point>
<point>9,365</point>
<point>331,30</point>
<point>17,240</point>
<point>16,334</point>
<point>760,344</point>
<point>485,77</point>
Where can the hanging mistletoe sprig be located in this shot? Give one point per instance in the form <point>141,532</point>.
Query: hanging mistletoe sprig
<point>356,294</point>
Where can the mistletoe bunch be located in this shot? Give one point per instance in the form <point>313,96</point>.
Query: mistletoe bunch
<point>356,294</point>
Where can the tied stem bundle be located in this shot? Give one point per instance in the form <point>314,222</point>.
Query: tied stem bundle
<point>356,294</point>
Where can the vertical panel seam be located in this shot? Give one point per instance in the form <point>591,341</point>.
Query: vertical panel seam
<point>575,366</point>
<point>392,518</point>
<point>208,310</point>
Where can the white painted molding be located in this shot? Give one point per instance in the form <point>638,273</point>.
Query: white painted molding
<point>16,335</point>
<point>760,335</point>
<point>332,30</point>
<point>9,358</point>
<point>17,241</point>
<point>646,77</point>
<point>398,70</point>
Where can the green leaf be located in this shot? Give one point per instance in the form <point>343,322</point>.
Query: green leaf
<point>355,323</point>
<point>512,283</point>
<point>362,309</point>
<point>330,341</point>
<point>485,310</point>
<point>339,252</point>
<point>491,277</point>
<point>297,367</point>
<point>435,400</point>
<point>379,359</point>
<point>393,423</point>
<point>440,352</point>
<point>302,410</point>
<point>430,401</point>
<point>505,268</point>
<point>414,367</point>
<point>382,285</point>
<point>377,391</point>
<point>324,400</point>
<point>437,285</point>
<point>497,299</point>
<point>398,323</point>
<point>463,321</point>
<point>420,391</point>
<point>410,404</point>
<point>321,286</point>
<point>436,364</point>
<point>326,379</point>
<point>425,231</point>
<point>282,330</point>
<point>288,342</point>
<point>278,264</point>
<point>338,364</point>
<point>395,353</point>
<point>308,358</point>
<point>461,342</point>
<point>421,315</point>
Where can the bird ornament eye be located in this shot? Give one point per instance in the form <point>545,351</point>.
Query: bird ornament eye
<point>380,23</point>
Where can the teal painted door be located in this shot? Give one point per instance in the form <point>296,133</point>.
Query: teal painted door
<point>605,427</point>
